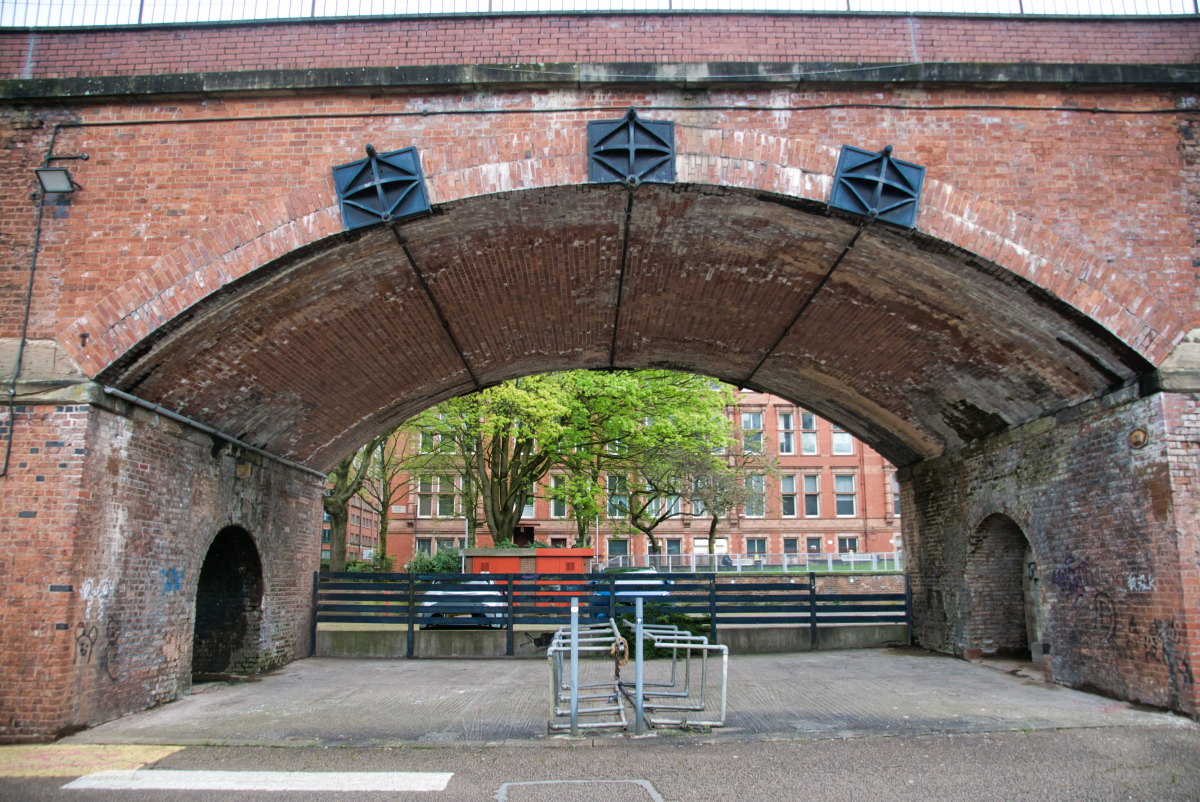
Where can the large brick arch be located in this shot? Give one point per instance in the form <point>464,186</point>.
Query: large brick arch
<point>549,168</point>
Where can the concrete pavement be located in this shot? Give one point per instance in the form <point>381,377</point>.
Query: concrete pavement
<point>894,724</point>
<point>332,702</point>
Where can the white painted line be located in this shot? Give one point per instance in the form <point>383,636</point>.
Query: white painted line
<point>171,780</point>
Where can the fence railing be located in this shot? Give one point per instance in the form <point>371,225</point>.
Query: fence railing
<point>108,13</point>
<point>752,562</point>
<point>504,601</point>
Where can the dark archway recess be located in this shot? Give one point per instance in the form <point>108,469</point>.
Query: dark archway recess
<point>995,566</point>
<point>228,606</point>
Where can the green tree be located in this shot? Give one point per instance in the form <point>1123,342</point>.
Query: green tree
<point>347,478</point>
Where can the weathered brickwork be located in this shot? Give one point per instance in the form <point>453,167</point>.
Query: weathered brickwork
<point>120,507</point>
<point>597,38</point>
<point>203,266</point>
<point>1103,518</point>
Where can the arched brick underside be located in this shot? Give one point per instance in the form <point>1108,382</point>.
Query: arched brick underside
<point>914,345</point>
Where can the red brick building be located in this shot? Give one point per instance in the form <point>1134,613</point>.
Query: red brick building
<point>362,532</point>
<point>829,493</point>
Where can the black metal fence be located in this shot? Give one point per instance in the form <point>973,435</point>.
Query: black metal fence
<point>503,601</point>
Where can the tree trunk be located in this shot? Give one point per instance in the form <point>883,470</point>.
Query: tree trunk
<point>338,519</point>
<point>712,535</point>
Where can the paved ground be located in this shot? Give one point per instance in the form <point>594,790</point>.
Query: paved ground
<point>864,725</point>
<point>335,702</point>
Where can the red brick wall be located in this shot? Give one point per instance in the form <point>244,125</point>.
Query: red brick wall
<point>127,523</point>
<point>599,38</point>
<point>1103,520</point>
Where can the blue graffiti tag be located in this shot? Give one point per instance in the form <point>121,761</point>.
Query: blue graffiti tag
<point>172,579</point>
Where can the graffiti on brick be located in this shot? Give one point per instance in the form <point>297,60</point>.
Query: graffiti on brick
<point>1141,582</point>
<point>94,593</point>
<point>110,660</point>
<point>85,642</point>
<point>172,580</point>
<point>1072,578</point>
<point>1171,650</point>
<point>1106,617</point>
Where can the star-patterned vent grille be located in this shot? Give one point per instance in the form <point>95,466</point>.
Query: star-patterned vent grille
<point>381,188</point>
<point>869,183</point>
<point>631,151</point>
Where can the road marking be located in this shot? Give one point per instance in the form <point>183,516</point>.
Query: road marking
<point>502,792</point>
<point>72,760</point>
<point>173,780</point>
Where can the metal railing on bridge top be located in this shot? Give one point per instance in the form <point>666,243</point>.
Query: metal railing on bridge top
<point>110,13</point>
<point>504,601</point>
<point>757,562</point>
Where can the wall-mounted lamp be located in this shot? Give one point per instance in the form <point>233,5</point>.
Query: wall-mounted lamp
<point>57,179</point>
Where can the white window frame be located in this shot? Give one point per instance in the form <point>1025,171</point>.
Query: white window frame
<point>785,492</point>
<point>787,433</point>
<point>814,493</point>
<point>843,437</point>
<point>760,492</point>
<point>841,495</point>
<point>809,443</point>
<point>558,482</point>
<point>620,491</point>
<point>747,439</point>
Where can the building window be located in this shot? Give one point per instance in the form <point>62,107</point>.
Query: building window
<point>424,546</point>
<point>755,506</point>
<point>618,548</point>
<point>787,437</point>
<point>324,535</point>
<point>529,511</point>
<point>843,489</point>
<point>558,506</point>
<point>435,493</point>
<point>787,496</point>
<point>843,442</point>
<point>700,546</point>
<point>847,545</point>
<point>791,545</point>
<point>674,547</point>
<point>814,545</point>
<point>324,555</point>
<point>325,518</point>
<point>756,546</point>
<point>812,496</point>
<point>445,543</point>
<point>558,542</point>
<point>618,496</point>
<point>895,495</point>
<point>808,435</point>
<point>752,432</point>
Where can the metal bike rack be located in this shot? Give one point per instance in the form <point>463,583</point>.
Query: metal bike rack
<point>573,699</point>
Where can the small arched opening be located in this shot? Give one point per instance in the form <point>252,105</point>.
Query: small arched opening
<point>228,606</point>
<point>1002,585</point>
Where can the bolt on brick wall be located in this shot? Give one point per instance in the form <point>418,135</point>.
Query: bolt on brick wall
<point>103,558</point>
<point>1106,525</point>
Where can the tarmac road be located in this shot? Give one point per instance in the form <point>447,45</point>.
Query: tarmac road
<point>1133,763</point>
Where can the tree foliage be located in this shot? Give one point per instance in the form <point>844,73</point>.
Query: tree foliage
<point>581,426</point>
<point>347,479</point>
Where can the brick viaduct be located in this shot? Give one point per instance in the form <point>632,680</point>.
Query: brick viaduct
<point>1028,354</point>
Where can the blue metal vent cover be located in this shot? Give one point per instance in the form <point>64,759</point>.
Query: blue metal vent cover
<point>867,183</point>
<point>381,188</point>
<point>631,151</point>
